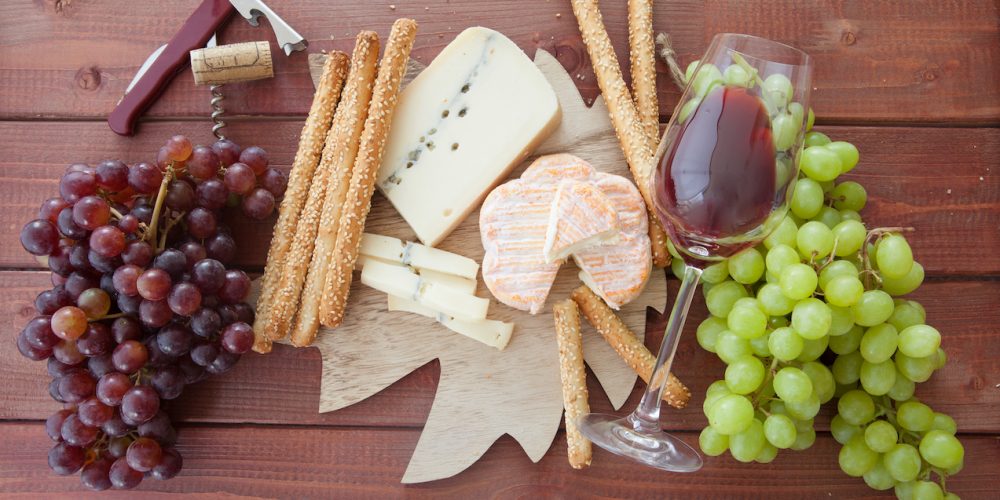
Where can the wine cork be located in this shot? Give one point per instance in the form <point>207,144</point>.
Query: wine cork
<point>238,62</point>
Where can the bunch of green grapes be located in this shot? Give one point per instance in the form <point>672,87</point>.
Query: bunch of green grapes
<point>822,281</point>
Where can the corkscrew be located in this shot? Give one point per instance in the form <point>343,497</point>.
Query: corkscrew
<point>217,65</point>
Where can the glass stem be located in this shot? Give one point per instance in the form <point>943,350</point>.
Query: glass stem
<point>646,417</point>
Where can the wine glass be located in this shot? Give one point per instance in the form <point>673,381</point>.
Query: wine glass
<point>724,172</point>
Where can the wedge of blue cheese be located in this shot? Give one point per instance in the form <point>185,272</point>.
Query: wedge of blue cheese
<point>459,128</point>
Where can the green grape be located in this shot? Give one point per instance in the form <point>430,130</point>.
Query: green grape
<point>689,71</point>
<point>951,496</point>
<point>904,491</point>
<point>734,74</point>
<point>874,307</point>
<point>915,369</point>
<point>770,277</point>
<point>688,108</point>
<point>848,155</point>
<point>850,215</point>
<point>807,198</point>
<point>707,78</point>
<point>847,368</point>
<point>804,410</point>
<point>820,163</point>
<point>746,302</point>
<point>803,425</point>
<point>767,452</point>
<point>941,449</point>
<point>730,347</point>
<point>773,302</point>
<point>780,431</point>
<point>856,457</point>
<point>940,358</point>
<point>747,266</point>
<point>798,281</point>
<point>878,378</point>
<point>780,256</point>
<point>880,436</point>
<point>919,341</point>
<point>804,439</point>
<point>842,430</point>
<point>844,291</point>
<point>816,139</point>
<point>842,322</point>
<point>776,322</point>
<point>746,444</point>
<point>778,88</point>
<point>878,478</point>
<point>927,490</point>
<point>811,318</point>
<point>715,392</point>
<point>850,235</point>
<point>798,113</point>
<point>829,216</point>
<point>856,407</point>
<point>716,273</point>
<point>814,240</point>
<point>812,349</point>
<point>792,385</point>
<point>879,343</point>
<point>721,297</point>
<point>836,269</point>
<point>848,195</point>
<point>731,414</point>
<point>844,389</point>
<point>822,380</point>
<point>905,315</point>
<point>785,344</point>
<point>744,375</point>
<point>903,462</point>
<point>827,186</point>
<point>712,443</point>
<point>894,256</point>
<point>848,342</point>
<point>677,267</point>
<point>747,322</point>
<point>708,332</point>
<point>943,422</point>
<point>914,416</point>
<point>902,389</point>
<point>810,120</point>
<point>783,234</point>
<point>759,346</point>
<point>920,308</point>
<point>784,131</point>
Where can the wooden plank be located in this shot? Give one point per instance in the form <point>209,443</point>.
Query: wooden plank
<point>363,463</point>
<point>283,387</point>
<point>921,61</point>
<point>941,181</point>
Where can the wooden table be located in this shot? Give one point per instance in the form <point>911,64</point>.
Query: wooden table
<point>913,84</point>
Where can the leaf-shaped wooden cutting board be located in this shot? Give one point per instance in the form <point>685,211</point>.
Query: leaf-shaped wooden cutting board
<point>482,393</point>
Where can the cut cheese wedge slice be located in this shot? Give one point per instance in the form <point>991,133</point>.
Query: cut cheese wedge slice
<point>581,216</point>
<point>403,282</point>
<point>416,255</point>
<point>457,283</point>
<point>490,332</point>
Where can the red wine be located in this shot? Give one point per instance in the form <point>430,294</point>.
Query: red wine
<point>717,177</point>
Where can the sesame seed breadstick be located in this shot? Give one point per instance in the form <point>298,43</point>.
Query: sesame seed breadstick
<point>359,196</point>
<point>626,344</point>
<point>340,152</point>
<point>624,116</point>
<point>643,64</point>
<point>574,380</point>
<point>306,159</point>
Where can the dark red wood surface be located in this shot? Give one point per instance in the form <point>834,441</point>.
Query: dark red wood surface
<point>913,84</point>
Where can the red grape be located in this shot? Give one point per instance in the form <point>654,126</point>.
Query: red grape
<point>155,313</point>
<point>259,204</point>
<point>100,365</point>
<point>95,475</point>
<point>138,253</point>
<point>237,338</point>
<point>227,151</point>
<point>67,227</point>
<point>179,148</point>
<point>168,382</point>
<point>38,333</point>
<point>76,386</point>
<point>65,459</point>
<point>57,368</point>
<point>184,299</point>
<point>50,301</point>
<point>153,284</point>
<point>222,363</point>
<point>235,287</point>
<point>159,429</point>
<point>75,185</point>
<point>122,476</point>
<point>143,454</point>
<point>69,322</point>
<point>145,178</point>
<point>91,212</point>
<point>129,356</point>
<point>180,196</point>
<point>255,158</point>
<point>174,340</point>
<point>94,302</point>
<point>53,424</point>
<point>59,261</point>
<point>170,464</point>
<point>129,224</point>
<point>94,413</point>
<point>96,341</point>
<point>221,247</point>
<point>111,388</point>
<point>205,323</point>
<point>50,209</point>
<point>40,237</point>
<point>239,178</point>
<point>129,305</point>
<point>173,261</point>
<point>112,175</point>
<point>125,279</point>
<point>193,252</point>
<point>140,403</point>
<point>244,312</point>
<point>102,263</point>
<point>125,328</point>
<point>212,194</point>
<point>200,222</point>
<point>108,241</point>
<point>204,354</point>
<point>66,352</point>
<point>275,181</point>
<point>163,158</point>
<point>76,283</point>
<point>77,433</point>
<point>115,427</point>
<point>204,163</point>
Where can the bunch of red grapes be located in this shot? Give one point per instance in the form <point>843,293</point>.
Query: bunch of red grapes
<point>142,302</point>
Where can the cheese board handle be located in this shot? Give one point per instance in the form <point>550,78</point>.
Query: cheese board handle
<point>194,34</point>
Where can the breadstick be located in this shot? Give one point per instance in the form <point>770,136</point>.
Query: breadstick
<point>359,195</point>
<point>340,153</point>
<point>574,380</point>
<point>627,345</point>
<point>624,117</point>
<point>306,159</point>
<point>643,60</point>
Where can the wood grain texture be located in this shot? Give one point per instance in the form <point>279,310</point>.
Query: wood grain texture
<point>944,182</point>
<point>284,386</point>
<point>920,61</point>
<point>367,463</point>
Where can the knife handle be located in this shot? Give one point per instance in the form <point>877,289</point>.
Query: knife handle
<point>194,34</point>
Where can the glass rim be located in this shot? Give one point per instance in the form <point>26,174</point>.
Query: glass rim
<point>805,58</point>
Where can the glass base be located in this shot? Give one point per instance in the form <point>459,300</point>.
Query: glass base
<point>653,447</point>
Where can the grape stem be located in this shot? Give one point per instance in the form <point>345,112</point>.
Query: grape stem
<point>670,57</point>
<point>158,205</point>
<point>166,230</point>
<point>107,316</point>
<point>118,215</point>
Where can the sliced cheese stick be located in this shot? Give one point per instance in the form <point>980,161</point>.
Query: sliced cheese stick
<point>417,255</point>
<point>403,282</point>
<point>490,332</point>
<point>457,283</point>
